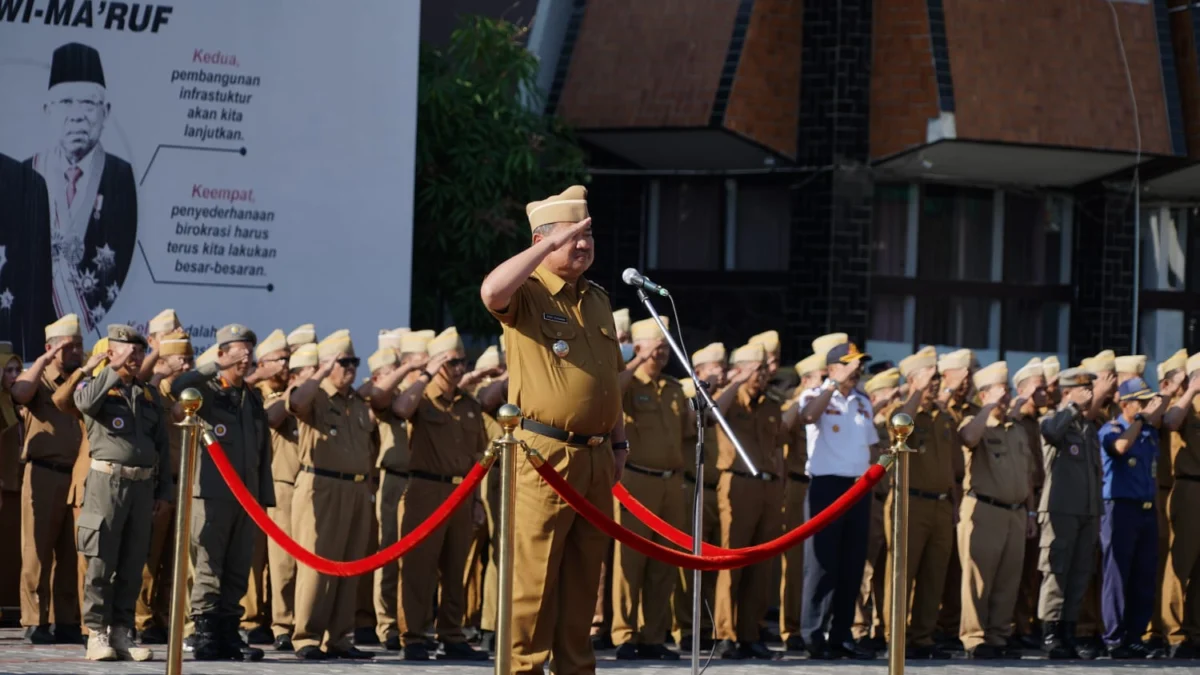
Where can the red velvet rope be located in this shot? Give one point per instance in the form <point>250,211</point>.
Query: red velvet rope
<point>333,567</point>
<point>711,562</point>
<point>778,545</point>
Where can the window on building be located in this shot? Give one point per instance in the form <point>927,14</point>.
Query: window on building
<point>889,234</point>
<point>1034,229</point>
<point>686,224</point>
<point>1170,286</point>
<point>956,236</point>
<point>761,227</point>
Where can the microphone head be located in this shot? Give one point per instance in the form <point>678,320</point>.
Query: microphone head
<point>631,276</point>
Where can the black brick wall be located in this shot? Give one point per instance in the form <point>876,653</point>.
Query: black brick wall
<point>829,271</point>
<point>1102,316</point>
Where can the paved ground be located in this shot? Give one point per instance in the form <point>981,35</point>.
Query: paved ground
<point>16,657</point>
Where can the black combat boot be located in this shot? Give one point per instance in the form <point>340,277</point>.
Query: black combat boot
<point>1054,643</point>
<point>205,643</point>
<point>232,646</point>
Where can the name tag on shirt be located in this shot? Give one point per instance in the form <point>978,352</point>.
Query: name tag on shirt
<point>554,317</point>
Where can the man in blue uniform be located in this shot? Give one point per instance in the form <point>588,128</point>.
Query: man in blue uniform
<point>1129,524</point>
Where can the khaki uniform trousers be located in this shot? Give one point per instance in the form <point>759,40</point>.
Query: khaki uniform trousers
<point>751,513</point>
<point>1181,600</point>
<point>48,549</point>
<point>385,582</point>
<point>364,592</point>
<point>642,586</point>
<point>327,520</point>
<point>10,565</point>
<point>991,544</point>
<point>154,599</point>
<point>710,534</point>
<point>868,609</point>
<point>114,535</point>
<point>557,556</point>
<point>281,565</point>
<point>491,575</point>
<point>1162,622</point>
<point>440,560</point>
<point>791,591</point>
<point>1025,612</point>
<point>473,575</point>
<point>256,604</point>
<point>930,533</point>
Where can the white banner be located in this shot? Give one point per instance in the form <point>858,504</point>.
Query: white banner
<point>237,161</point>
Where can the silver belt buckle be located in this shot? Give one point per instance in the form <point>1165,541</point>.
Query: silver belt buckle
<point>766,476</point>
<point>668,474</point>
<point>593,441</point>
<point>943,497</point>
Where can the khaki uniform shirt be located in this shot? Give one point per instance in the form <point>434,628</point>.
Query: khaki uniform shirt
<point>285,440</point>
<point>960,411</point>
<point>1033,429</point>
<point>126,425</point>
<point>935,438</point>
<point>10,449</point>
<point>394,452</point>
<point>1071,449</point>
<point>448,432</point>
<point>577,391</point>
<point>1169,444</point>
<point>711,453</point>
<point>883,430</point>
<point>236,417</point>
<point>174,433</point>
<point>756,423</point>
<point>796,449</point>
<point>335,435</point>
<point>656,421</point>
<point>1186,461</point>
<point>51,434</point>
<point>1000,466</point>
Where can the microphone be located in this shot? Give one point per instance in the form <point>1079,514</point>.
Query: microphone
<point>635,278</point>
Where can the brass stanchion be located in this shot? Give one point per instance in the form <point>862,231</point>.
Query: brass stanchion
<point>509,417</point>
<point>190,401</point>
<point>903,426</point>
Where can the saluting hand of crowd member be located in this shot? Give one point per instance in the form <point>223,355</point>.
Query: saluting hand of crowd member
<point>952,383</point>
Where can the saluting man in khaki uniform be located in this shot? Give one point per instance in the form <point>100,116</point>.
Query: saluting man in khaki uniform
<point>751,507</point>
<point>1183,510</point>
<point>164,322</point>
<point>791,592</point>
<point>992,528</point>
<point>154,601</point>
<point>710,368</point>
<point>128,484</point>
<point>884,390</point>
<point>329,498</point>
<point>956,393</point>
<point>52,443</point>
<point>446,438</point>
<point>1030,384</point>
<point>10,474</point>
<point>564,362</point>
<point>656,418</point>
<point>931,506</point>
<point>1173,385</point>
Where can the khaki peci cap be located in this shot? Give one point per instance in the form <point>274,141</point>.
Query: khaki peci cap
<point>713,353</point>
<point>119,332</point>
<point>1035,368</point>
<point>67,326</point>
<point>445,341</point>
<point>1104,362</point>
<point>209,356</point>
<point>621,320</point>
<point>306,355</point>
<point>1135,364</point>
<point>1193,364</point>
<point>335,344</point>
<point>769,340</point>
<point>569,206</point>
<point>996,373</point>
<point>415,342</point>
<point>924,358</point>
<point>274,342</point>
<point>176,343</point>
<point>1176,361</point>
<point>823,344</point>
<point>689,388</point>
<point>888,379</point>
<point>385,356</point>
<point>490,358</point>
<point>646,329</point>
<point>163,322</point>
<point>390,339</point>
<point>1075,377</point>
<point>955,360</point>
<point>1050,368</point>
<point>811,364</point>
<point>748,354</point>
<point>235,332</point>
<point>303,335</point>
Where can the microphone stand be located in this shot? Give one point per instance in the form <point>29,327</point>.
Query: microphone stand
<point>702,403</point>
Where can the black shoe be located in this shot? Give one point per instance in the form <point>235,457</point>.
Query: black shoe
<point>461,651</point>
<point>487,641</point>
<point>1054,643</point>
<point>951,644</point>
<point>1133,650</point>
<point>685,644</point>
<point>365,637</point>
<point>602,642</point>
<point>656,653</point>
<point>416,652</point>
<point>727,649</point>
<point>1186,650</point>
<point>39,635</point>
<point>757,650</point>
<point>311,653</point>
<point>1089,648</point>
<point>856,651</point>
<point>765,636</point>
<point>206,644</point>
<point>1030,641</point>
<point>154,635</point>
<point>984,652</point>
<point>627,652</point>
<point>351,653</point>
<point>669,640</point>
<point>259,635</point>
<point>68,634</point>
<point>392,643</point>
<point>233,648</point>
<point>794,643</point>
<point>820,651</point>
<point>926,652</point>
<point>283,643</point>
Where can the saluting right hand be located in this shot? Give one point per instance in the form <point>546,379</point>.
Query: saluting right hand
<point>233,359</point>
<point>94,361</point>
<point>565,235</point>
<point>434,366</point>
<point>53,351</point>
<point>1105,383</point>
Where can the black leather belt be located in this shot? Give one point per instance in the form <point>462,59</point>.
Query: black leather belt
<point>692,479</point>
<point>994,502</point>
<point>1144,505</point>
<point>1194,479</point>
<point>763,476</point>
<point>401,474</point>
<point>562,436</point>
<point>352,477</point>
<point>437,478</point>
<point>935,496</point>
<point>67,469</point>
<point>649,472</point>
<point>799,477</point>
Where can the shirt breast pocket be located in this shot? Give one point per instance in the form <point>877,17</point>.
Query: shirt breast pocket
<point>116,416</point>
<point>562,341</point>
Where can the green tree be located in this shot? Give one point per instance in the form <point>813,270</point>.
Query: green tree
<point>484,149</point>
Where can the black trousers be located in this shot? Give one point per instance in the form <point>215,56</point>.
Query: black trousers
<point>833,563</point>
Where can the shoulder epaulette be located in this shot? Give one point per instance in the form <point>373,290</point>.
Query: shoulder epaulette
<point>598,287</point>
<point>670,379</point>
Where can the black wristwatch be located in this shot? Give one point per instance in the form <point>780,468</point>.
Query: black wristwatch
<point>425,374</point>
<point>1141,418</point>
<point>620,445</point>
